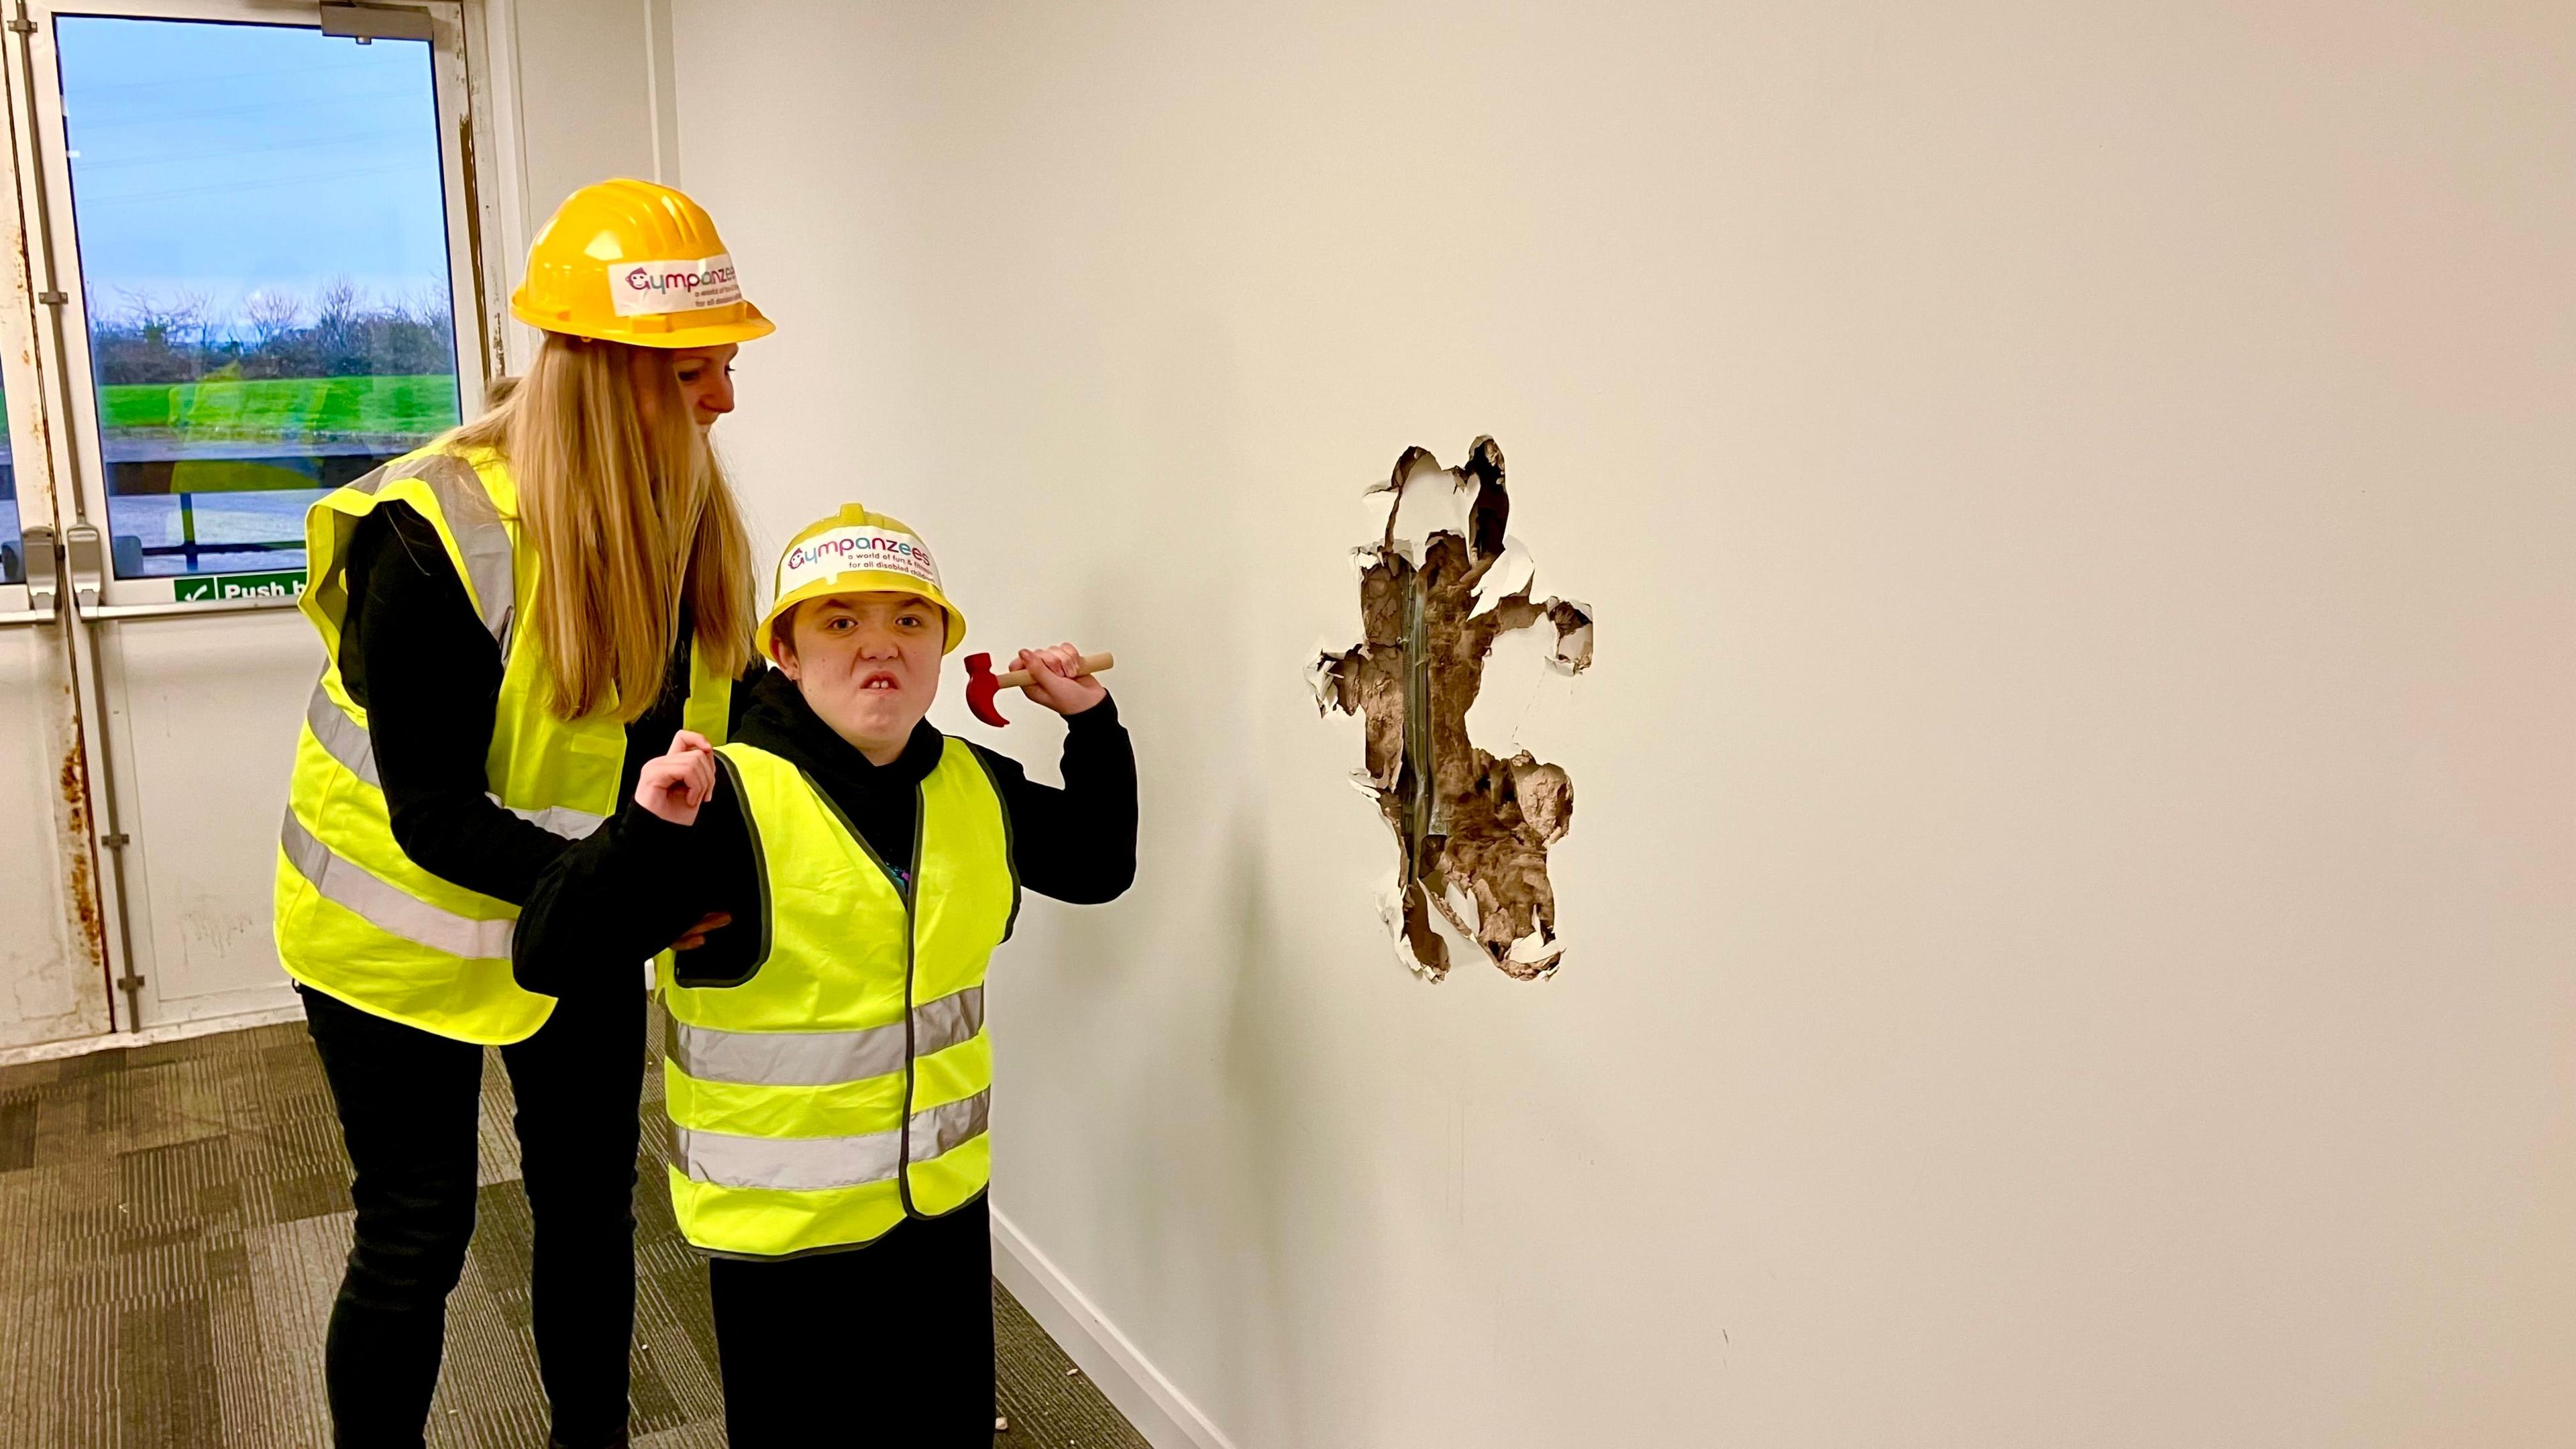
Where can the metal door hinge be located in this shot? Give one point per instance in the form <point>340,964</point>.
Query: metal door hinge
<point>363,23</point>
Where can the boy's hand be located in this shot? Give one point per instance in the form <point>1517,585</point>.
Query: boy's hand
<point>1052,682</point>
<point>674,785</point>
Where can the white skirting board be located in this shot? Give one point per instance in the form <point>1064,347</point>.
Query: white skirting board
<point>1160,1412</point>
<point>174,1031</point>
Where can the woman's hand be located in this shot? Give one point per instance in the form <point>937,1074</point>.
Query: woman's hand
<point>1052,682</point>
<point>696,935</point>
<point>674,785</point>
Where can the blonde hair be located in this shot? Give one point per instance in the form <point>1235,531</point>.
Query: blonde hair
<point>628,515</point>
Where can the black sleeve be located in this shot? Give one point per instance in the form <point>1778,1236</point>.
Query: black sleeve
<point>610,901</point>
<point>415,654</point>
<point>1076,844</point>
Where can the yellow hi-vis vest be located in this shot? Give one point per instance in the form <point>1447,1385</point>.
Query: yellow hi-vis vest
<point>355,917</point>
<point>844,1086</point>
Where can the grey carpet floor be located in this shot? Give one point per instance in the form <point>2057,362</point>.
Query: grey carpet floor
<point>172,1223</point>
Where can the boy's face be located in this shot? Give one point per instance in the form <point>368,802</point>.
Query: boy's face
<point>868,664</point>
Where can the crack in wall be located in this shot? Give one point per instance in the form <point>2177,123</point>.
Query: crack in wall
<point>1472,828</point>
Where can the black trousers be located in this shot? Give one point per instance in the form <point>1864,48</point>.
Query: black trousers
<point>409,1103</point>
<point>887,1345</point>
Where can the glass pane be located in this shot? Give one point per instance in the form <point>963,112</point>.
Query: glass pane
<point>263,256</point>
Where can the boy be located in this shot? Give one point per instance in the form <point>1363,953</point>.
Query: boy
<point>844,870</point>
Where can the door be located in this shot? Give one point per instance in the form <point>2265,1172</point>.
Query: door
<point>53,962</point>
<point>251,281</point>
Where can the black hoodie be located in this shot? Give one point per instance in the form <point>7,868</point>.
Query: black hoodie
<point>634,885</point>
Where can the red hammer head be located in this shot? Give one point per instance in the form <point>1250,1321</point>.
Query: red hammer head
<point>982,683</point>
<point>980,689</point>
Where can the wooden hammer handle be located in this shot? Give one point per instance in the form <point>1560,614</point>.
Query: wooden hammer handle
<point>1091,664</point>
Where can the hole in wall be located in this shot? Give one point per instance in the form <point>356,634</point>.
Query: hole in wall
<point>1472,828</point>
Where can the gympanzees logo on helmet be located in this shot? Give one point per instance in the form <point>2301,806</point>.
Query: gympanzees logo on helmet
<point>684,285</point>
<point>845,549</point>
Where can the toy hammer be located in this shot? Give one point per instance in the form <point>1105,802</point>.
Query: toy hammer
<point>982,684</point>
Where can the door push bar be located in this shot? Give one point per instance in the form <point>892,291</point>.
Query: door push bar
<point>86,549</point>
<point>81,551</point>
<point>43,554</point>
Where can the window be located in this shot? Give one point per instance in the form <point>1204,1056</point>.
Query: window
<point>264,263</point>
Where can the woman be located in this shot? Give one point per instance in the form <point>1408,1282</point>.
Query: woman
<point>518,617</point>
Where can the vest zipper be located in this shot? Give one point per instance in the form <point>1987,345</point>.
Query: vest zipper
<point>911,1047</point>
<point>903,888</point>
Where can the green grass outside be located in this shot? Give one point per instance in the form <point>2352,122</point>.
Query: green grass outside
<point>291,410</point>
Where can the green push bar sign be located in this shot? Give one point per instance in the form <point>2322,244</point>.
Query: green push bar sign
<point>284,584</point>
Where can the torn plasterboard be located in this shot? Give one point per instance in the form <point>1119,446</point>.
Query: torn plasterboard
<point>1472,829</point>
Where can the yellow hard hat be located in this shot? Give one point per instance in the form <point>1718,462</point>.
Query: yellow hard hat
<point>856,552</point>
<point>632,262</point>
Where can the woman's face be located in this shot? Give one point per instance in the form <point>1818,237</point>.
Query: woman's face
<point>704,376</point>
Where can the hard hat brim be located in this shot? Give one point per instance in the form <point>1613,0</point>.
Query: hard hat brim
<point>861,581</point>
<point>705,334</point>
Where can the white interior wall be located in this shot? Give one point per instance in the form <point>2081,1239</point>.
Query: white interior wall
<point>578,92</point>
<point>2070,888</point>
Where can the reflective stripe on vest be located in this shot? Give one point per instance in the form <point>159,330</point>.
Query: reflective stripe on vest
<point>388,907</point>
<point>474,524</point>
<point>345,738</point>
<point>821,1058</point>
<point>560,820</point>
<point>820,1164</point>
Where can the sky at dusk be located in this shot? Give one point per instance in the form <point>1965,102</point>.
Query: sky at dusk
<point>225,159</point>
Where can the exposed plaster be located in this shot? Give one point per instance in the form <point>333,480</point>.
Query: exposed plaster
<point>1472,828</point>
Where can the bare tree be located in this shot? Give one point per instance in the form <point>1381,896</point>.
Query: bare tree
<point>144,313</point>
<point>428,305</point>
<point>272,315</point>
<point>191,311</point>
<point>338,308</point>
<point>340,327</point>
<point>146,337</point>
